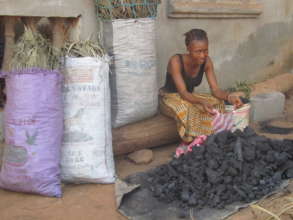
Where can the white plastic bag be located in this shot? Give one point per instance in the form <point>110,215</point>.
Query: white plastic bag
<point>133,79</point>
<point>240,116</point>
<point>87,146</point>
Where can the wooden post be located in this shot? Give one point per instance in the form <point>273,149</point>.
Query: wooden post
<point>31,22</point>
<point>59,32</point>
<point>9,35</point>
<point>1,41</point>
<point>74,29</point>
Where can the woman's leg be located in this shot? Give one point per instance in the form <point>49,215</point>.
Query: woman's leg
<point>192,120</point>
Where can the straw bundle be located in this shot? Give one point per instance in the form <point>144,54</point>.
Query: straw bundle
<point>33,50</point>
<point>83,49</point>
<point>275,209</point>
<point>123,9</point>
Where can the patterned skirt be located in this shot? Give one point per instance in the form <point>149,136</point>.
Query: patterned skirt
<point>192,120</point>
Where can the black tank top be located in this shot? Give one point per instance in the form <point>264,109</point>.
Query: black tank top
<point>190,82</point>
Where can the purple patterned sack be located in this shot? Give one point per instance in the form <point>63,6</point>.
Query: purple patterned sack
<point>33,132</point>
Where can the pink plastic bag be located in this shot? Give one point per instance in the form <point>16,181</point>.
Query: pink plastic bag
<point>184,148</point>
<point>222,121</point>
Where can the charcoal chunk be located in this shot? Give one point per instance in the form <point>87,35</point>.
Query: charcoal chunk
<point>213,164</point>
<point>221,137</point>
<point>249,153</point>
<point>238,149</point>
<point>228,167</point>
<point>249,132</point>
<point>192,200</point>
<point>289,173</point>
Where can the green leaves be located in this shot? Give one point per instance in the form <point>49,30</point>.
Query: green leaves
<point>241,86</point>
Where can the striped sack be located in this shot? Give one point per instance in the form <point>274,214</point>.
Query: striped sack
<point>222,121</point>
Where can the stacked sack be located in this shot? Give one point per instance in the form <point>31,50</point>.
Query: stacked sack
<point>129,35</point>
<point>33,118</point>
<point>57,112</point>
<point>87,145</point>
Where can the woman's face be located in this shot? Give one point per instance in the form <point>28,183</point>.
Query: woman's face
<point>198,51</point>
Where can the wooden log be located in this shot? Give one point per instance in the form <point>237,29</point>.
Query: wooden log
<point>153,132</point>
<point>9,35</point>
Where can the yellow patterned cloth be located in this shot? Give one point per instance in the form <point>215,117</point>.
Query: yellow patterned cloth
<point>192,120</point>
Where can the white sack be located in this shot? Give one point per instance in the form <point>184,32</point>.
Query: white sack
<point>133,78</point>
<point>87,146</point>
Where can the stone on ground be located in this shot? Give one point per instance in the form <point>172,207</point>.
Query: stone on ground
<point>141,156</point>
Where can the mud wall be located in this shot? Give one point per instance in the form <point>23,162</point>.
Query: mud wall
<point>85,9</point>
<point>1,43</point>
<point>250,40</point>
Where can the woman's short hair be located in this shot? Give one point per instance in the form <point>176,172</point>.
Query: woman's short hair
<point>195,34</point>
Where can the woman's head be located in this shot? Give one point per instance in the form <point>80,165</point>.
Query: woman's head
<point>196,41</point>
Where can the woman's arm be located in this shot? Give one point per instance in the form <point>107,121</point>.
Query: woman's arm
<point>174,68</point>
<point>216,91</point>
<point>212,80</point>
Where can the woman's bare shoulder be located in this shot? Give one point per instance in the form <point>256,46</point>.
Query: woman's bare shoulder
<point>208,63</point>
<point>209,60</point>
<point>174,60</point>
<point>173,64</point>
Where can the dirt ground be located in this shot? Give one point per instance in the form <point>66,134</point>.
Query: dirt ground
<point>96,201</point>
<point>79,202</point>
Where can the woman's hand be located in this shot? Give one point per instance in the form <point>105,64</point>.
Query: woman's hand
<point>235,100</point>
<point>207,107</point>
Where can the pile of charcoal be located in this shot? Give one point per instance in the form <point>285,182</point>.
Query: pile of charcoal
<point>228,167</point>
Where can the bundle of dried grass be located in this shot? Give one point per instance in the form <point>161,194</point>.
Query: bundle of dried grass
<point>83,49</point>
<point>276,208</point>
<point>33,50</point>
<point>123,9</point>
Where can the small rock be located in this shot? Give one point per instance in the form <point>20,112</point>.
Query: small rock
<point>141,156</point>
<point>290,186</point>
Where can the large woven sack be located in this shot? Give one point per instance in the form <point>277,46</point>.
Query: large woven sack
<point>134,87</point>
<point>33,132</point>
<point>87,146</point>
